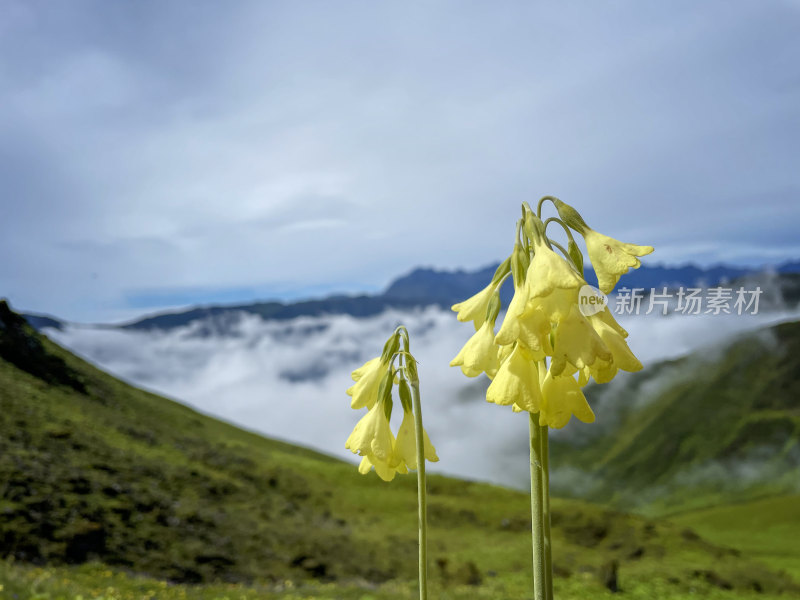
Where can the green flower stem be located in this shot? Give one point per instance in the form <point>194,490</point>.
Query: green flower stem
<point>537,511</point>
<point>548,550</point>
<point>421,497</point>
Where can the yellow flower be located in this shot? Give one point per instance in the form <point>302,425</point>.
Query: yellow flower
<point>577,343</point>
<point>479,354</point>
<point>368,380</point>
<point>517,381</point>
<point>535,325</point>
<point>474,308</point>
<point>549,271</point>
<point>509,330</point>
<point>611,258</point>
<point>407,443</point>
<point>384,470</point>
<point>613,337</point>
<point>372,435</point>
<point>562,398</point>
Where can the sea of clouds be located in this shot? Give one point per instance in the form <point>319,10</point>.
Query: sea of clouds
<point>287,379</point>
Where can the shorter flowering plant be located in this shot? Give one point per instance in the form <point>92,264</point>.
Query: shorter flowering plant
<point>372,437</point>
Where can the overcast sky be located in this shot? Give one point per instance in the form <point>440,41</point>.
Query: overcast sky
<point>162,153</point>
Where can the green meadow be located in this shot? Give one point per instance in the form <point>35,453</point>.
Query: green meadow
<point>112,492</point>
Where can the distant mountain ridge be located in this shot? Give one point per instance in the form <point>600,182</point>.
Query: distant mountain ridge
<point>421,287</point>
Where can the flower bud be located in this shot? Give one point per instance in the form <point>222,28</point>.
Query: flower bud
<point>570,216</point>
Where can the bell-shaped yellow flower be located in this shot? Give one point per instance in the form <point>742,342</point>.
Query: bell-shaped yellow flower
<point>368,379</point>
<point>548,271</point>
<point>611,258</point>
<point>623,357</point>
<point>509,330</point>
<point>517,381</point>
<point>479,354</point>
<point>384,469</point>
<point>535,325</point>
<point>372,435</point>
<point>577,343</point>
<point>613,336</point>
<point>474,308</point>
<point>562,398</point>
<point>503,352</point>
<point>407,443</point>
<point>556,305</point>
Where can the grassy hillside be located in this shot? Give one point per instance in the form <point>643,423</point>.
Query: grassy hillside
<point>95,471</point>
<point>718,426</point>
<point>767,529</point>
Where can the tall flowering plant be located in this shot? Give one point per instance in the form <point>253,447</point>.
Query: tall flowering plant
<point>372,437</point>
<point>547,349</point>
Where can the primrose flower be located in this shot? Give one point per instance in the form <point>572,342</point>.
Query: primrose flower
<point>479,354</point>
<point>509,330</point>
<point>372,435</point>
<point>407,443</point>
<point>611,258</point>
<point>534,331</point>
<point>384,469</point>
<point>549,271</point>
<point>368,380</point>
<point>516,381</point>
<point>577,343</point>
<point>561,398</point>
<point>474,308</point>
<point>603,323</point>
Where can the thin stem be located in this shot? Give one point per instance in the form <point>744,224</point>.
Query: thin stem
<point>563,250</point>
<point>537,510</point>
<point>560,222</point>
<point>548,550</point>
<point>542,201</point>
<point>421,496</point>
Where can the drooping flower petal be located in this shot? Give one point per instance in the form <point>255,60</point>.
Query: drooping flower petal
<point>623,357</point>
<point>407,443</point>
<point>372,435</point>
<point>576,342</point>
<point>509,330</point>
<point>382,468</point>
<point>548,271</point>
<point>517,381</point>
<point>368,380</point>
<point>474,308</point>
<point>611,258</point>
<point>562,398</point>
<point>479,354</point>
<point>534,330</point>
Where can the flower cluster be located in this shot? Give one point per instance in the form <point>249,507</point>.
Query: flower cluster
<point>372,437</point>
<point>546,350</point>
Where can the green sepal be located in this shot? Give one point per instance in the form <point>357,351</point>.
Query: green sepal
<point>494,307</point>
<point>534,229</point>
<point>385,387</point>
<point>502,270</point>
<point>518,264</point>
<point>391,346</point>
<point>571,217</point>
<point>411,370</point>
<point>388,404</point>
<point>576,255</point>
<point>405,394</point>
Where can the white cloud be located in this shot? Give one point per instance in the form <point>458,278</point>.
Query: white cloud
<point>252,375</point>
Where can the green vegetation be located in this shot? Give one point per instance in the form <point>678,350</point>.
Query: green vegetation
<point>767,529</point>
<point>715,427</point>
<point>118,493</point>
